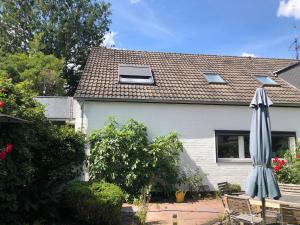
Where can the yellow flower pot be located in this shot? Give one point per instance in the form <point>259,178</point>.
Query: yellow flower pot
<point>180,196</point>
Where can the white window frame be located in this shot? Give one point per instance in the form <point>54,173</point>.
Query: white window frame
<point>241,143</point>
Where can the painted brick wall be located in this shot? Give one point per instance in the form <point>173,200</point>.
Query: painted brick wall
<point>196,125</point>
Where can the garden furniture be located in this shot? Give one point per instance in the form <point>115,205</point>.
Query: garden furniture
<point>224,189</point>
<point>289,215</point>
<point>239,210</point>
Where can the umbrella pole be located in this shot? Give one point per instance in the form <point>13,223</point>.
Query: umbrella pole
<point>263,210</point>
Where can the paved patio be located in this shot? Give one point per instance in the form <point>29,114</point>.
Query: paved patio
<point>191,213</point>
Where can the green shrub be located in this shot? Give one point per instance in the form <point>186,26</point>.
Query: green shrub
<point>93,203</point>
<point>287,170</point>
<point>43,158</point>
<point>122,155</point>
<point>119,155</point>
<point>166,162</point>
<point>233,188</point>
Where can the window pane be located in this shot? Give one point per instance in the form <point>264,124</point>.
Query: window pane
<point>265,80</point>
<point>213,78</point>
<point>247,147</point>
<point>228,146</point>
<point>279,146</point>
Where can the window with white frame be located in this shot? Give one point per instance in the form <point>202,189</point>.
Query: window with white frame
<point>235,144</point>
<point>232,144</point>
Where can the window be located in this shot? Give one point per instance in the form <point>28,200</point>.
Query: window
<point>265,80</point>
<point>281,142</point>
<point>228,146</point>
<point>235,144</point>
<point>135,74</point>
<point>232,144</point>
<point>214,78</point>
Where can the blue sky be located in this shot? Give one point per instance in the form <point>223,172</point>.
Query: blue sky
<point>227,27</point>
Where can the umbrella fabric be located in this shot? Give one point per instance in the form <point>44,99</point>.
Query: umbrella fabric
<point>261,181</point>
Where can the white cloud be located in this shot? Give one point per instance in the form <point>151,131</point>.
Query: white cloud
<point>134,1</point>
<point>289,8</point>
<point>109,40</point>
<point>142,19</point>
<point>246,54</point>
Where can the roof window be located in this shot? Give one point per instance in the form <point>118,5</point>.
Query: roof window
<point>265,80</point>
<point>135,74</point>
<point>214,78</point>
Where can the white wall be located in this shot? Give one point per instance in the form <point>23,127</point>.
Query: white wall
<point>195,124</point>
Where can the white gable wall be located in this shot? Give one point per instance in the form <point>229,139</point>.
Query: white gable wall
<point>195,125</point>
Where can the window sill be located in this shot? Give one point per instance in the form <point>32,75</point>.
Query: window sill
<point>234,160</point>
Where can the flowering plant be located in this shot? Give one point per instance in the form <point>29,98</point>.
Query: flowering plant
<point>5,151</point>
<point>278,164</point>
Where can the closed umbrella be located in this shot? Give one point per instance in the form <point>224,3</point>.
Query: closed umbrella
<point>261,182</point>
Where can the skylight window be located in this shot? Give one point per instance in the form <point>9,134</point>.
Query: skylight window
<point>214,78</point>
<point>265,80</point>
<point>135,74</point>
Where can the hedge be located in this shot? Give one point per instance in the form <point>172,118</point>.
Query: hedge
<point>93,203</point>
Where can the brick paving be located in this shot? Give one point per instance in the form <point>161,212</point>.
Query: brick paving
<point>190,213</point>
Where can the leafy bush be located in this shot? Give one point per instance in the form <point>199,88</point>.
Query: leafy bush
<point>166,162</point>
<point>122,155</point>
<point>42,159</point>
<point>194,181</point>
<point>287,170</point>
<point>93,203</point>
<point>234,188</point>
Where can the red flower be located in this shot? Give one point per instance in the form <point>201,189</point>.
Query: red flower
<point>276,168</point>
<point>1,104</point>
<point>282,162</point>
<point>298,156</point>
<point>2,155</point>
<point>8,148</point>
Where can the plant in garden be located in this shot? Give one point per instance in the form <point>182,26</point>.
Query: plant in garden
<point>123,155</point>
<point>93,202</point>
<point>194,181</point>
<point>119,155</point>
<point>166,152</point>
<point>7,149</point>
<point>42,159</point>
<point>287,170</point>
<point>141,214</point>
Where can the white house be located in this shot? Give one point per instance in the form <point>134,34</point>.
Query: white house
<point>204,98</point>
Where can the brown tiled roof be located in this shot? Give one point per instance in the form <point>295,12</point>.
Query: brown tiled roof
<point>179,78</point>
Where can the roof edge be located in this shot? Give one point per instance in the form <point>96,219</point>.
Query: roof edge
<point>195,54</point>
<point>286,68</point>
<point>295,105</point>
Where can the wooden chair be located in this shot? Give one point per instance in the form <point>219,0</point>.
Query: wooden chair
<point>223,188</point>
<point>289,215</point>
<point>239,210</point>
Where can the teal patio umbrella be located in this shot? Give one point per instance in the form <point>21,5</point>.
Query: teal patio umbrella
<point>261,182</point>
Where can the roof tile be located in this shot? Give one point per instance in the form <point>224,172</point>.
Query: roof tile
<point>179,78</point>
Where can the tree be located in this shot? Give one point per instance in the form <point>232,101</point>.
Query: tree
<point>70,29</point>
<point>18,23</point>
<point>44,72</point>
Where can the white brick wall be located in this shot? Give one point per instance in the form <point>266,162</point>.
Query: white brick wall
<point>195,124</point>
